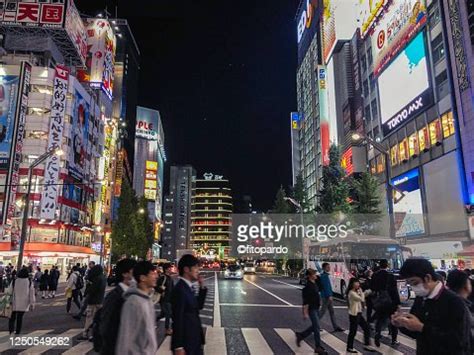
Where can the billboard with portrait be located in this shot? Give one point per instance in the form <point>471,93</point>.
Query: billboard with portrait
<point>407,205</point>
<point>8,102</point>
<point>398,24</point>
<point>404,87</point>
<point>79,137</point>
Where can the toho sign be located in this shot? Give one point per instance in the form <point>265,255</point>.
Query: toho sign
<point>305,19</point>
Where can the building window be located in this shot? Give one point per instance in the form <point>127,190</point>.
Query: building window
<point>380,163</point>
<point>442,84</point>
<point>394,155</point>
<point>435,132</point>
<point>372,82</point>
<point>369,56</point>
<point>423,139</point>
<point>413,146</point>
<point>364,63</point>
<point>403,150</point>
<point>447,121</point>
<point>438,48</point>
<point>434,15</point>
<point>375,114</point>
<point>367,113</point>
<point>366,88</point>
<point>373,167</point>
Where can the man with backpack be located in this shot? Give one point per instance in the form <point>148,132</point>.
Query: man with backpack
<point>73,287</point>
<point>164,287</point>
<point>108,319</point>
<point>386,301</point>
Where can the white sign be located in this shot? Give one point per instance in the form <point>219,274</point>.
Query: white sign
<point>211,176</point>
<point>49,197</point>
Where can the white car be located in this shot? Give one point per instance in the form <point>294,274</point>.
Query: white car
<point>249,268</point>
<point>234,272</point>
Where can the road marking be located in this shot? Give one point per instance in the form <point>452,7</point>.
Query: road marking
<point>334,342</point>
<point>217,307</point>
<point>215,341</point>
<point>259,305</point>
<point>384,349</point>
<point>285,283</point>
<point>82,348</point>
<point>207,309</point>
<point>40,349</point>
<point>289,338</point>
<point>165,347</point>
<point>205,316</point>
<point>243,292</point>
<point>411,343</point>
<point>270,293</point>
<point>37,333</point>
<point>255,341</point>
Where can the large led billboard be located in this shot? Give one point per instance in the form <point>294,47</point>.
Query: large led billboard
<point>147,123</point>
<point>307,24</point>
<point>407,205</point>
<point>404,87</point>
<point>398,24</point>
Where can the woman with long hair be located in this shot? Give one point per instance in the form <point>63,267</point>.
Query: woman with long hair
<point>44,281</point>
<point>356,300</point>
<point>23,299</point>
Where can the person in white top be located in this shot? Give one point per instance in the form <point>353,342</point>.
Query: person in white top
<point>23,299</point>
<point>356,300</point>
<point>72,289</point>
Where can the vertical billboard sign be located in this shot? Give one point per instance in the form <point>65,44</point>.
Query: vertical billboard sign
<point>329,29</point>
<point>100,60</point>
<point>151,178</point>
<point>49,197</point>
<point>75,29</point>
<point>323,113</point>
<point>357,104</point>
<point>13,178</point>
<point>307,23</point>
<point>8,103</point>
<point>398,24</point>
<point>79,137</point>
<point>407,205</point>
<point>147,124</point>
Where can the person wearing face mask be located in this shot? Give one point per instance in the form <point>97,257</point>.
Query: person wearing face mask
<point>438,319</point>
<point>458,281</point>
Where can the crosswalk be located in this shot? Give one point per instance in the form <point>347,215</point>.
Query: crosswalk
<point>254,341</point>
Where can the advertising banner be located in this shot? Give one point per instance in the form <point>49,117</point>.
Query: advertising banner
<point>369,11</point>
<point>8,102</point>
<point>151,180</point>
<point>404,87</point>
<point>323,113</point>
<point>147,123</point>
<point>33,13</point>
<point>76,30</point>
<point>307,22</point>
<point>407,205</point>
<point>399,23</point>
<point>79,137</point>
<point>101,43</point>
<point>19,135</point>
<point>49,197</point>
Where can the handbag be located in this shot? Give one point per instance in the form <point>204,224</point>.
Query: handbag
<point>6,306</point>
<point>68,292</point>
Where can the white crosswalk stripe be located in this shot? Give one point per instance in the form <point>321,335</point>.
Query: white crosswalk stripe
<point>37,333</point>
<point>288,336</point>
<point>165,347</point>
<point>215,341</point>
<point>41,349</point>
<point>384,349</point>
<point>82,348</point>
<point>411,343</point>
<point>255,341</point>
<point>333,342</point>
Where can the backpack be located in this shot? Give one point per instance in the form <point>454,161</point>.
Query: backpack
<point>79,282</point>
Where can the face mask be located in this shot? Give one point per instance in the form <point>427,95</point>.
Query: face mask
<point>420,290</point>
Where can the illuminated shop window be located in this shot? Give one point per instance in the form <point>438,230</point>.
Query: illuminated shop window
<point>403,150</point>
<point>414,148</point>
<point>373,167</point>
<point>424,139</point>
<point>435,132</point>
<point>447,122</point>
<point>394,155</point>
<point>380,164</point>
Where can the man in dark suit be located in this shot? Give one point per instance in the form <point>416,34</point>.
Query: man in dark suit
<point>188,335</point>
<point>385,282</point>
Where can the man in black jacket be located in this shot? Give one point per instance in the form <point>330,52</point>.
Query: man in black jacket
<point>188,335</point>
<point>311,304</point>
<point>164,286</point>
<point>383,282</point>
<point>113,302</point>
<point>438,319</point>
<point>94,297</point>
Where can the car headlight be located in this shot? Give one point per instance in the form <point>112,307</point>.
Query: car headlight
<point>239,273</point>
<point>227,272</point>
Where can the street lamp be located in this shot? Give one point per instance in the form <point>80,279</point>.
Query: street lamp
<point>358,137</point>
<point>300,208</point>
<point>141,211</point>
<point>24,223</point>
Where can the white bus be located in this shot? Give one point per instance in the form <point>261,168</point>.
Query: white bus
<point>352,258</point>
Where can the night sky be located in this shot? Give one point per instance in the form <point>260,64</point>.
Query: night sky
<point>222,74</point>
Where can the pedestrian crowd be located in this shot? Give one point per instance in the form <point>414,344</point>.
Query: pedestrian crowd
<point>441,319</point>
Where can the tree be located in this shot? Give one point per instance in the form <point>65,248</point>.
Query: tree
<point>366,194</point>
<point>131,235</point>
<point>298,193</point>
<point>334,194</point>
<point>281,205</point>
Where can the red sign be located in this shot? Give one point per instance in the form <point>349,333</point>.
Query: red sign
<point>346,162</point>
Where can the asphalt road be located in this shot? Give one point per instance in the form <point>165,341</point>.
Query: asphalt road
<point>257,315</point>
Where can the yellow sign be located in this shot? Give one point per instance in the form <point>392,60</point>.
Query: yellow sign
<point>150,194</point>
<point>151,165</point>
